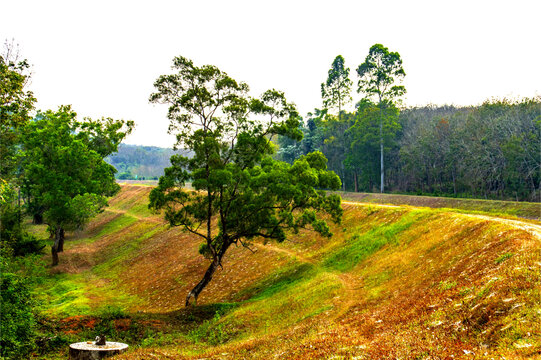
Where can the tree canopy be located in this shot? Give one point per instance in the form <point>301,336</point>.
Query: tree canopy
<point>64,170</point>
<point>378,74</point>
<point>16,103</point>
<point>336,91</point>
<point>240,192</point>
<point>377,77</point>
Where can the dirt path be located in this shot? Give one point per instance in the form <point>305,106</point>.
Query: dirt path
<point>533,229</point>
<point>290,253</point>
<point>373,204</point>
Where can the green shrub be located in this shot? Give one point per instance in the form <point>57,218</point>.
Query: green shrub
<point>17,321</point>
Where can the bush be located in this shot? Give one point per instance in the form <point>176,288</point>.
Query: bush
<point>17,321</point>
<point>12,234</point>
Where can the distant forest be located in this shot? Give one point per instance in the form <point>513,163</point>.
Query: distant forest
<point>140,162</point>
<point>490,151</point>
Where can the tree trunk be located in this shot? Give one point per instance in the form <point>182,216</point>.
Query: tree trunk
<point>61,241</point>
<point>381,161</point>
<point>454,181</point>
<point>355,179</point>
<point>54,253</point>
<point>203,283</point>
<point>381,146</point>
<point>37,219</point>
<point>343,176</point>
<point>58,244</point>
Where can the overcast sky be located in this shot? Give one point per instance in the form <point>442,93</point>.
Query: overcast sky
<point>102,57</point>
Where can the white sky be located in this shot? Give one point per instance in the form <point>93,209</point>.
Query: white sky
<point>103,56</point>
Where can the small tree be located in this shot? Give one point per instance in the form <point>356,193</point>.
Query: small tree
<point>240,192</point>
<point>336,93</point>
<point>64,169</point>
<point>377,77</point>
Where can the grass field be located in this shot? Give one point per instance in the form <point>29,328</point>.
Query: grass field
<point>526,210</point>
<point>408,282</point>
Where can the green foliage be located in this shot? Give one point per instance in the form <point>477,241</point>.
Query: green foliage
<point>336,91</point>
<point>378,74</point>
<point>236,181</point>
<point>12,236</point>
<point>16,103</point>
<point>17,321</point>
<point>373,127</point>
<point>64,167</point>
<point>64,170</point>
<point>490,151</point>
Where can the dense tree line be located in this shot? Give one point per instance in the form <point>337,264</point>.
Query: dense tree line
<point>487,151</point>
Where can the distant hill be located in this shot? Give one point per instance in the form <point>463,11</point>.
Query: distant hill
<point>141,162</point>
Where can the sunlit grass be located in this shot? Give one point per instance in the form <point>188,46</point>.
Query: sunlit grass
<point>391,282</point>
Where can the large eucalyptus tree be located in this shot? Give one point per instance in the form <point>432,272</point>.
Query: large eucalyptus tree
<point>379,77</point>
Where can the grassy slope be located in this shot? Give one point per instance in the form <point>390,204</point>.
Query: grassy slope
<point>525,210</point>
<point>393,282</point>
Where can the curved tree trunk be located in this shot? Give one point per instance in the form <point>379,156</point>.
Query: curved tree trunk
<point>203,283</point>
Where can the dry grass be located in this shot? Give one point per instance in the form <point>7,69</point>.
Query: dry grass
<point>438,285</point>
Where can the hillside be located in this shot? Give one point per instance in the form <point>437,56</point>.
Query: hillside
<point>136,161</point>
<point>394,282</point>
<point>526,210</point>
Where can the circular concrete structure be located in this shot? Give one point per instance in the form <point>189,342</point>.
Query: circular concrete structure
<point>91,351</point>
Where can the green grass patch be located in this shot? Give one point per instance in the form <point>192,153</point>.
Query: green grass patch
<point>77,294</point>
<point>115,225</point>
<point>64,294</point>
<point>284,306</point>
<point>447,285</point>
<point>122,250</point>
<point>503,257</point>
<point>213,331</point>
<point>278,281</point>
<point>359,247</point>
<point>379,278</point>
<point>486,289</point>
<point>141,210</point>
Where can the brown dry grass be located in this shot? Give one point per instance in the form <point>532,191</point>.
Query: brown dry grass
<point>448,286</point>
